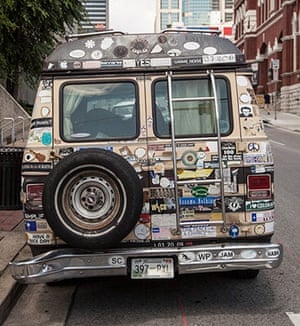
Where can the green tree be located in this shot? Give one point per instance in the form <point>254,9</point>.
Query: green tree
<point>29,29</point>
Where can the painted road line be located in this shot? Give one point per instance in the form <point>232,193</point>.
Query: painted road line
<point>295,318</point>
<point>277,142</point>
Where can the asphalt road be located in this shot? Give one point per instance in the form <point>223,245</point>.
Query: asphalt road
<point>206,299</point>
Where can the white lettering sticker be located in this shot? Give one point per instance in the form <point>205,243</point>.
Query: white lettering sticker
<point>116,261</point>
<point>204,256</point>
<point>226,254</point>
<point>40,238</point>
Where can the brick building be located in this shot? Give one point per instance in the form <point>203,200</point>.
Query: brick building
<point>268,32</point>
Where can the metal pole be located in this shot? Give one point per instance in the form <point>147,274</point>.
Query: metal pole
<point>275,103</point>
<point>23,127</point>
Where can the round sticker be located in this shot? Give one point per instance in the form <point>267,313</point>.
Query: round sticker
<point>29,157</point>
<point>140,152</point>
<point>162,39</point>
<point>77,65</point>
<point>141,231</point>
<point>172,41</point>
<point>45,111</point>
<point>201,155</point>
<point>189,158</point>
<point>120,51</point>
<point>139,46</point>
<point>245,98</point>
<point>164,182</point>
<point>97,54</point>
<point>259,229</point>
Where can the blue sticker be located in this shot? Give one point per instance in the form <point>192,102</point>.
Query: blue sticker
<point>253,217</point>
<point>46,138</point>
<point>195,201</point>
<point>234,231</point>
<point>30,226</point>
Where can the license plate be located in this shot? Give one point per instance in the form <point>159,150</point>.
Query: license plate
<point>143,268</point>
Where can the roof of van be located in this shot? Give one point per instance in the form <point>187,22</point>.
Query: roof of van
<point>170,50</point>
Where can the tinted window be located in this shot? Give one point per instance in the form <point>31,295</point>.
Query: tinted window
<point>99,111</point>
<point>192,118</point>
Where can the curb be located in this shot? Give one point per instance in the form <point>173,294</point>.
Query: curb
<point>9,295</point>
<point>10,289</point>
<point>12,246</point>
<point>267,121</point>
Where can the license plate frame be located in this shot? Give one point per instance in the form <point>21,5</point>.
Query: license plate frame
<point>152,268</point>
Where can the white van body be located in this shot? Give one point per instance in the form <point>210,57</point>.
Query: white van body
<point>146,157</point>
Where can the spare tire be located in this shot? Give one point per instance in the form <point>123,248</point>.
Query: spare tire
<point>92,199</point>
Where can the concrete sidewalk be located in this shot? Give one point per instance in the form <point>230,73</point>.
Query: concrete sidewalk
<point>12,237</point>
<point>282,120</point>
<point>12,242</point>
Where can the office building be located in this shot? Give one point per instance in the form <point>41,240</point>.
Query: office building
<point>268,32</point>
<point>97,15</point>
<point>193,13</point>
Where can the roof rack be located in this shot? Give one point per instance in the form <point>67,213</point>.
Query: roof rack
<point>106,32</point>
<point>199,30</point>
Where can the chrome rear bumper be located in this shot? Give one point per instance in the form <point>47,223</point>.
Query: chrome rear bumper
<point>70,263</point>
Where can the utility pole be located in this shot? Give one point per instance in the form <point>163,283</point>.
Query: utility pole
<point>275,67</point>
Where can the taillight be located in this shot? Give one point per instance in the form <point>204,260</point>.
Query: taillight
<point>259,186</point>
<point>34,194</point>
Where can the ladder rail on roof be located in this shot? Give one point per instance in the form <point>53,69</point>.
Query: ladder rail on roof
<point>82,35</point>
<point>174,153</point>
<point>187,30</point>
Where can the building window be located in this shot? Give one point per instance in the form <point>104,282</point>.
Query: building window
<point>164,21</point>
<point>215,5</point>
<point>175,4</point>
<point>164,4</point>
<point>272,5</point>
<point>228,16</point>
<point>228,4</point>
<point>175,17</point>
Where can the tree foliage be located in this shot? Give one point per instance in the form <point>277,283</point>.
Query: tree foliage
<point>29,30</point>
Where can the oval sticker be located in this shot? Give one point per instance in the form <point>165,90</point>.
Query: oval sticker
<point>191,45</point>
<point>77,54</point>
<point>210,50</point>
<point>226,254</point>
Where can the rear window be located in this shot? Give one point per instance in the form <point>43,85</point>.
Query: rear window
<point>192,118</point>
<point>96,111</point>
